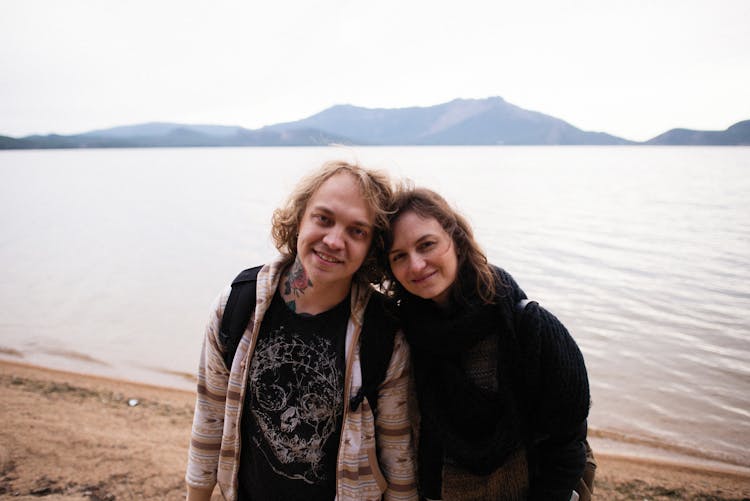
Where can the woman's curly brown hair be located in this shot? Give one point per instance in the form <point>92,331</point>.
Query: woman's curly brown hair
<point>377,191</point>
<point>474,271</point>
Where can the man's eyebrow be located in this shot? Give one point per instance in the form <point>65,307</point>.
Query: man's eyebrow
<point>329,212</point>
<point>322,208</point>
<point>364,224</point>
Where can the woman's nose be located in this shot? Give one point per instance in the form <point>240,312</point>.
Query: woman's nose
<point>416,262</point>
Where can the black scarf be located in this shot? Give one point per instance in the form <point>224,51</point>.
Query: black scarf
<point>477,429</point>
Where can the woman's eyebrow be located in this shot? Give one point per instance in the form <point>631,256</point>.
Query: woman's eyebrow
<point>417,241</point>
<point>425,237</point>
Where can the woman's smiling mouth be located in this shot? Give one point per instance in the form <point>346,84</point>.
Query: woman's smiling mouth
<point>424,278</point>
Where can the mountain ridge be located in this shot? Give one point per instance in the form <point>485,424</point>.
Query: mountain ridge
<point>489,121</point>
<point>735,135</point>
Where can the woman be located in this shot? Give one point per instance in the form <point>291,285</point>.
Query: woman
<point>502,390</point>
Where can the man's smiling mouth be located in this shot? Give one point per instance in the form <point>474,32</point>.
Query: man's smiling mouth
<point>327,257</point>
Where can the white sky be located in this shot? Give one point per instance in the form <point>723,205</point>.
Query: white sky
<point>631,68</point>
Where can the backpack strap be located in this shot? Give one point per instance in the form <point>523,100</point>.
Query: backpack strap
<point>376,348</point>
<point>521,305</point>
<point>237,312</point>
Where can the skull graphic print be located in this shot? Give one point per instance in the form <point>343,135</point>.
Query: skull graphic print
<point>297,401</point>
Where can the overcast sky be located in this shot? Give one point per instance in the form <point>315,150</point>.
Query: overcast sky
<point>630,68</point>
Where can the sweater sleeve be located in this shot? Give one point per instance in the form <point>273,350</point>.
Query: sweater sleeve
<point>208,420</point>
<point>559,383</point>
<point>558,461</point>
<point>393,427</point>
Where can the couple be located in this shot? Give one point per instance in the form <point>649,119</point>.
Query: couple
<point>500,415</point>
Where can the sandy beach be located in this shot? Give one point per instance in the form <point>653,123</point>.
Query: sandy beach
<point>76,437</point>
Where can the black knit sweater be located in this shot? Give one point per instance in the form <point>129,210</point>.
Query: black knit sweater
<point>539,404</point>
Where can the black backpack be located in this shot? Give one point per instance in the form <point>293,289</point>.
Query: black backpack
<point>376,339</point>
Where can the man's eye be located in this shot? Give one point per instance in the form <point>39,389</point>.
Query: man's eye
<point>359,233</point>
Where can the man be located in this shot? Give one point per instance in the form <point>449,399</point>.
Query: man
<point>277,423</point>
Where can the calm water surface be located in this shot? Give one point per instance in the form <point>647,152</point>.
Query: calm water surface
<point>111,259</point>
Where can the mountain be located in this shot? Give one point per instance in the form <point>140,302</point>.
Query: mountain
<point>152,135</point>
<point>490,121</point>
<point>10,143</point>
<point>163,128</point>
<point>736,135</point>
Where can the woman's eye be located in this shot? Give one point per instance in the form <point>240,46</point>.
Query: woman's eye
<point>396,257</point>
<point>424,246</point>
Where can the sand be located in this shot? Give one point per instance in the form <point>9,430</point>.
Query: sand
<point>76,437</point>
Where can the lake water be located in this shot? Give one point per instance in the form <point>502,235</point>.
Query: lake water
<point>111,258</point>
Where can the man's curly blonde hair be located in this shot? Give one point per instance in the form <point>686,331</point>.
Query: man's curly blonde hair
<point>377,191</point>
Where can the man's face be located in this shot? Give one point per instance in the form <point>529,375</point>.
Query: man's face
<point>335,232</point>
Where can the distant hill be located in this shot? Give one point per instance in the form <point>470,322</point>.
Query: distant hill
<point>164,128</point>
<point>152,135</point>
<point>736,135</point>
<point>490,121</point>
<point>10,143</point>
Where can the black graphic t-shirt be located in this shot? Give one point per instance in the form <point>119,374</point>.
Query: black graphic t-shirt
<point>291,419</point>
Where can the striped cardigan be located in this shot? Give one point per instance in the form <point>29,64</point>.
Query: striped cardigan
<point>363,471</point>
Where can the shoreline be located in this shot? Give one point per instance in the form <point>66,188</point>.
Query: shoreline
<point>612,443</point>
<point>75,436</point>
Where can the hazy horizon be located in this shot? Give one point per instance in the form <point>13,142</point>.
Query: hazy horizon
<point>632,70</point>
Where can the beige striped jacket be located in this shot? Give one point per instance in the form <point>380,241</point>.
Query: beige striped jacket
<point>364,471</point>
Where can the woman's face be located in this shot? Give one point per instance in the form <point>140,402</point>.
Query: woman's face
<point>423,258</point>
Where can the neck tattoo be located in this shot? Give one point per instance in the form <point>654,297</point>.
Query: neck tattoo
<point>295,283</point>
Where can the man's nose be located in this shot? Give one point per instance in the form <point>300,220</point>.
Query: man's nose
<point>334,238</point>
